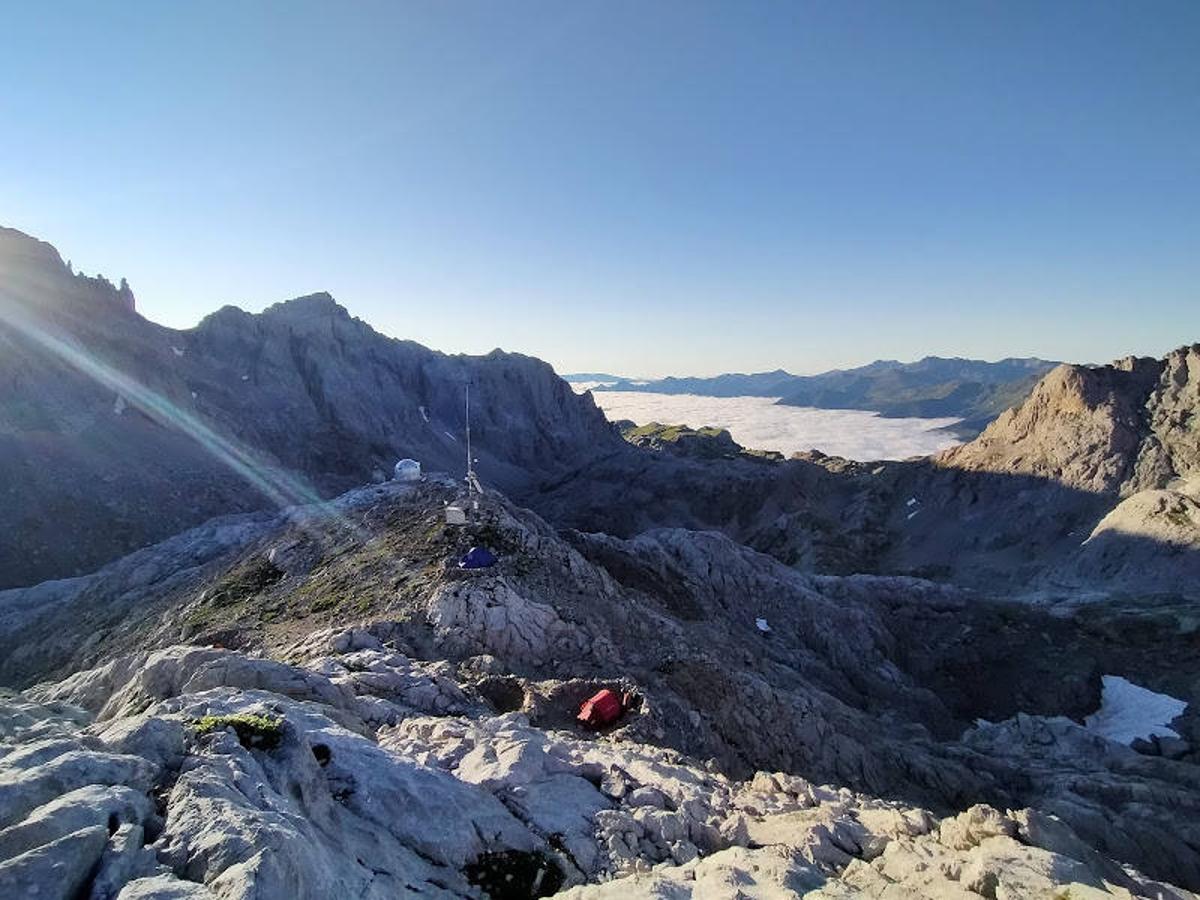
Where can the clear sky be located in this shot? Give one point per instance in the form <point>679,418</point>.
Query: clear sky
<point>639,187</point>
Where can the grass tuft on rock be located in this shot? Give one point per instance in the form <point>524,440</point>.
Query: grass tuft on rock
<point>255,732</point>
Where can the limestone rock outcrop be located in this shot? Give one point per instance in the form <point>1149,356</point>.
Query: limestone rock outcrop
<point>1129,426</point>
<point>864,681</point>
<point>174,796</point>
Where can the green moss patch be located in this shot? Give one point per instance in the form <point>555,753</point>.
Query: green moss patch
<point>243,581</point>
<point>255,732</point>
<point>671,432</point>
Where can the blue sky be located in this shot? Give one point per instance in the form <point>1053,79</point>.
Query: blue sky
<point>646,188</point>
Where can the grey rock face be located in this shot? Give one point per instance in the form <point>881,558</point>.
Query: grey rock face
<point>1107,809</point>
<point>117,432</point>
<point>1129,548</point>
<point>339,807</point>
<point>864,681</point>
<point>125,859</point>
<point>59,869</point>
<point>89,806</point>
<point>164,887</point>
<point>1122,428</point>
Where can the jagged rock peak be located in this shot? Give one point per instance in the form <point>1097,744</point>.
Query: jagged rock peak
<point>1127,426</point>
<point>32,269</point>
<point>125,293</point>
<point>17,247</point>
<point>1136,364</point>
<point>303,383</point>
<point>318,305</point>
<point>307,309</point>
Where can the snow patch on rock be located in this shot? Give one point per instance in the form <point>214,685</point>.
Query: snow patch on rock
<point>1128,712</point>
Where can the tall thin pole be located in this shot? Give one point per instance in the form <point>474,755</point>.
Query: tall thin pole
<point>470,466</point>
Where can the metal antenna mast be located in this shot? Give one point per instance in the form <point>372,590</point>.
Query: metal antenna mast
<point>473,485</point>
<point>470,462</point>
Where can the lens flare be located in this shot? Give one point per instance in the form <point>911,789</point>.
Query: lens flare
<point>278,485</point>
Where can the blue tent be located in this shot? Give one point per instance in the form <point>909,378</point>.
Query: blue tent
<point>477,558</point>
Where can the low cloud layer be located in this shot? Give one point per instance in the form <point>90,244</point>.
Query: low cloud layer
<point>759,424</point>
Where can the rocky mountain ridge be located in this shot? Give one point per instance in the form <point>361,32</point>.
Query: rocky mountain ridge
<point>844,679</point>
<point>1130,426</point>
<point>1086,490</point>
<point>117,432</point>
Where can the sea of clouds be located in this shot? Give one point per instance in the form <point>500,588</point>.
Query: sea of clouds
<point>759,423</point>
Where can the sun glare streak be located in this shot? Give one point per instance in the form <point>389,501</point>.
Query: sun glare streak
<point>323,521</point>
<point>280,487</point>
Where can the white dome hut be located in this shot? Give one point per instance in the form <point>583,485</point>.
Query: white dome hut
<point>408,470</point>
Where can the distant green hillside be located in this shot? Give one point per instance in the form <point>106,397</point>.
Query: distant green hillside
<point>702,443</point>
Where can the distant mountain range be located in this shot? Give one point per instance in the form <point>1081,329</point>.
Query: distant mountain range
<point>599,377</point>
<point>972,390</point>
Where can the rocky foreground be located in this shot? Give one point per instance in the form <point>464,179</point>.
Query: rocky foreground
<point>359,772</point>
<point>431,749</point>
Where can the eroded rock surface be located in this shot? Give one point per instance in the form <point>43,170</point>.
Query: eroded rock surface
<point>391,778</point>
<point>1125,427</point>
<point>871,682</point>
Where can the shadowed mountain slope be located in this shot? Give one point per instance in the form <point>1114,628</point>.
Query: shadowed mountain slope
<point>116,432</point>
<point>1087,489</point>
